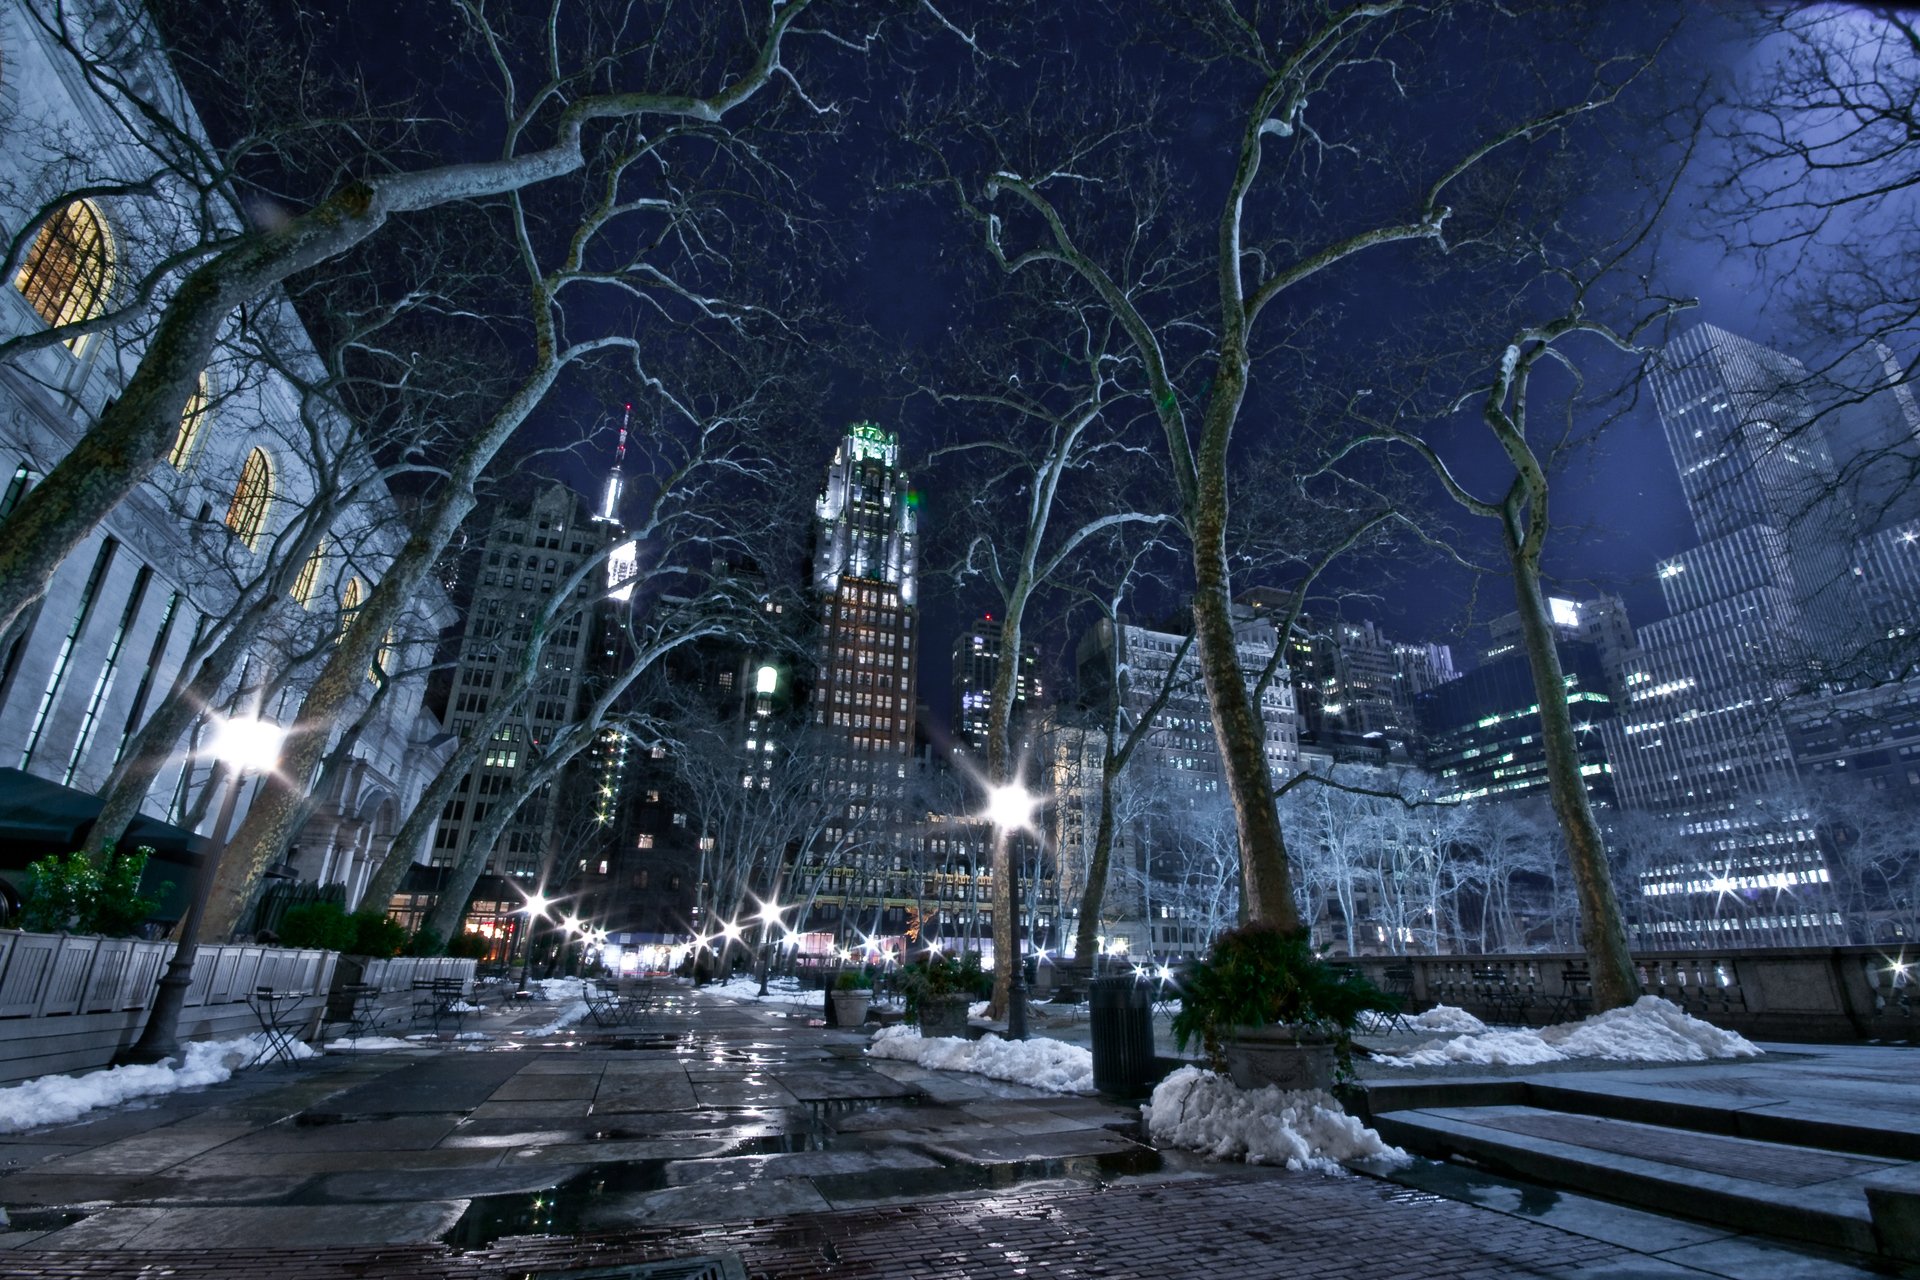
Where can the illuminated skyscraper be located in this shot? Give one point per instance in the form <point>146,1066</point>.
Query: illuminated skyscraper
<point>865,565</point>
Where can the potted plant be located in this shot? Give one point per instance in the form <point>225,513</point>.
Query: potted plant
<point>939,990</point>
<point>852,991</point>
<point>1269,1011</point>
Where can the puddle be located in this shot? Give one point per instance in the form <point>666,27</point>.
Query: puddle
<point>959,1178</point>
<point>558,1211</point>
<point>589,1199</point>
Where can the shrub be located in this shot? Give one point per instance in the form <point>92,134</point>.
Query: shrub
<point>469,946</point>
<point>424,942</point>
<point>76,894</point>
<point>377,934</point>
<point>937,977</point>
<point>853,980</point>
<point>1257,975</point>
<point>317,924</point>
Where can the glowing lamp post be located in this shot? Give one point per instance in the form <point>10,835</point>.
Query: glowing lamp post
<point>1010,808</point>
<point>534,908</point>
<point>240,743</point>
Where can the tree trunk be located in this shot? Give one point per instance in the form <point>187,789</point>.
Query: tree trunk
<point>1266,882</point>
<point>450,909</point>
<point>1087,937</point>
<point>1006,926</point>
<point>1615,983</point>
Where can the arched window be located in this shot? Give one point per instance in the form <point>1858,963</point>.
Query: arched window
<point>382,668</point>
<point>350,597</point>
<point>307,585</point>
<point>70,266</point>
<point>247,513</point>
<point>191,419</point>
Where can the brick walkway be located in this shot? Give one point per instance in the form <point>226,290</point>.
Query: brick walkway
<point>1286,1225</point>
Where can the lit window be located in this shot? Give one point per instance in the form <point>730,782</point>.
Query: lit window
<point>306,586</point>
<point>646,840</point>
<point>69,268</point>
<point>247,513</point>
<point>191,419</point>
<point>349,605</point>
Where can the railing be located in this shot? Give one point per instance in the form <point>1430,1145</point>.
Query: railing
<point>1809,994</point>
<point>52,974</point>
<point>401,972</point>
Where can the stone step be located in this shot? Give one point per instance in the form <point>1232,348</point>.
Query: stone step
<point>1770,1188</point>
<point>1864,1118</point>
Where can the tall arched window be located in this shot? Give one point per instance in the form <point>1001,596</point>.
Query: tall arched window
<point>70,266</point>
<point>247,514</point>
<point>306,586</point>
<point>191,419</point>
<point>350,596</point>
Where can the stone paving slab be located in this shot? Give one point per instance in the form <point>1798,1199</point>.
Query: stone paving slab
<point>289,1227</point>
<point>1292,1225</point>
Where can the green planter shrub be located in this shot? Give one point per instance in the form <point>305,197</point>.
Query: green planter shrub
<point>77,895</point>
<point>1258,975</point>
<point>325,925</point>
<point>375,933</point>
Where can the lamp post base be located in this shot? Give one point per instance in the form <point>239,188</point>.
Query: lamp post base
<point>160,1038</point>
<point>1017,1004</point>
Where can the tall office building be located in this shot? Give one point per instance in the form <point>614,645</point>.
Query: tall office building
<point>1756,612</point>
<point>865,573</point>
<point>529,553</point>
<point>1481,732</point>
<point>976,665</point>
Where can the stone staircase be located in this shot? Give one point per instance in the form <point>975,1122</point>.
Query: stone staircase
<point>1827,1159</point>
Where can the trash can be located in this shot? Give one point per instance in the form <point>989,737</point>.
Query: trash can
<point>1121,1013</point>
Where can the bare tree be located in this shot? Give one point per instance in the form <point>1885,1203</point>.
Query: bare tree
<point>559,117</point>
<point>1049,480</point>
<point>1094,210</point>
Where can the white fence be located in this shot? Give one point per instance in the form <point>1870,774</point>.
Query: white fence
<point>69,1003</point>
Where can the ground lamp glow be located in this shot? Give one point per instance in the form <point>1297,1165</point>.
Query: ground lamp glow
<point>240,743</point>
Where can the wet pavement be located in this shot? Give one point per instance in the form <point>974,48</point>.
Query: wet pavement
<point>749,1132</point>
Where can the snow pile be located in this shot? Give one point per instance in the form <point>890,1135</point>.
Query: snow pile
<point>462,1006</point>
<point>1442,1017</point>
<point>1301,1129</point>
<point>366,1044</point>
<point>1648,1030</point>
<point>779,991</point>
<point>59,1099</point>
<point>1045,1064</point>
<point>978,1009</point>
<point>555,990</point>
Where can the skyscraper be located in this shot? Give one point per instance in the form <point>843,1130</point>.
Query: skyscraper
<point>976,665</point>
<point>865,573</point>
<point>1756,611</point>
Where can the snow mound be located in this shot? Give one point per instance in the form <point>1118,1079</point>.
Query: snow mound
<point>1648,1030</point>
<point>1442,1017</point>
<point>1301,1129</point>
<point>1045,1064</point>
<point>366,1044</point>
<point>59,1099</point>
<point>463,1006</point>
<point>779,991</point>
<point>556,990</point>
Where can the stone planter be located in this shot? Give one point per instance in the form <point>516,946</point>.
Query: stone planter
<point>850,1007</point>
<point>1291,1057</point>
<point>944,1016</point>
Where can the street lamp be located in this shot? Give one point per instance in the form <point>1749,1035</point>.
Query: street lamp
<point>534,908</point>
<point>240,743</point>
<point>1010,808</point>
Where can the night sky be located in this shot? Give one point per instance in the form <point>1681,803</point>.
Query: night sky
<point>897,271</point>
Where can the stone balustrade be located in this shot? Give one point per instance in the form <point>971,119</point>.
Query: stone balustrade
<point>1812,994</point>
